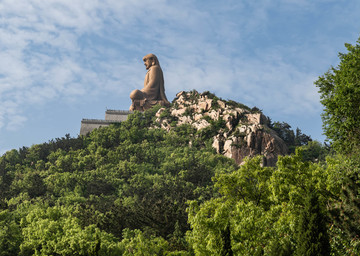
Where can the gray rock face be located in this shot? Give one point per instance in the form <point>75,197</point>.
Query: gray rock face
<point>245,133</point>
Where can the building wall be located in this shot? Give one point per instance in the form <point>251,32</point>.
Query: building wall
<point>111,117</point>
<point>117,115</point>
<point>87,125</point>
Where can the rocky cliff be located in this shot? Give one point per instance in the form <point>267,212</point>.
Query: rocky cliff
<point>240,131</point>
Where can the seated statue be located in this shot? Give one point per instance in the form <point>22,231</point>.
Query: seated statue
<point>153,92</point>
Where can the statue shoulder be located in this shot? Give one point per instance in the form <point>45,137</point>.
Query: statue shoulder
<point>154,70</point>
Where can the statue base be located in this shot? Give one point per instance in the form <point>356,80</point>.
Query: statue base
<point>142,105</point>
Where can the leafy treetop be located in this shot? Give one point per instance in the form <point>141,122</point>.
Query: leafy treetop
<point>339,90</point>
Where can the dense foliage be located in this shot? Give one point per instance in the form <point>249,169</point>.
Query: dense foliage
<point>312,231</point>
<point>340,94</point>
<point>292,139</point>
<point>134,190</point>
<point>88,196</point>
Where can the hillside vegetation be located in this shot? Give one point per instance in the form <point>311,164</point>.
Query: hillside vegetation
<point>133,190</point>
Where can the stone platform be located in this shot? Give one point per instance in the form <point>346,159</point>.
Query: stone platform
<point>111,117</point>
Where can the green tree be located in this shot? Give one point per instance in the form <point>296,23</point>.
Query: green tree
<point>278,249</point>
<point>339,90</point>
<point>137,243</point>
<point>284,131</point>
<point>344,205</point>
<point>53,231</point>
<point>10,234</point>
<point>315,151</point>
<point>340,95</point>
<point>240,222</point>
<point>292,139</point>
<point>312,239</point>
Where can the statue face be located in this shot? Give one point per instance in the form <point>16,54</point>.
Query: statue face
<point>148,63</point>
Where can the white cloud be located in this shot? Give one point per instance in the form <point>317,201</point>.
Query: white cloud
<point>277,86</point>
<point>15,122</point>
<point>39,53</point>
<point>66,50</point>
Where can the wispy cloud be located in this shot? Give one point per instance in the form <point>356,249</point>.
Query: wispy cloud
<point>263,53</point>
<point>39,53</point>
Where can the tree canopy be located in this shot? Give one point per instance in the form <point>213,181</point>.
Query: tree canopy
<point>339,90</point>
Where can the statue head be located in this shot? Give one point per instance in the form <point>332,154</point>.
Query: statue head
<point>150,60</point>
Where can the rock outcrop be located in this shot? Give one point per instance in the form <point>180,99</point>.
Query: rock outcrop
<point>241,131</point>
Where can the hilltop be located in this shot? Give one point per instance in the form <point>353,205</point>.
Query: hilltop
<point>236,130</point>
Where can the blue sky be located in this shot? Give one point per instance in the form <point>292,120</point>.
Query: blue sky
<point>64,60</point>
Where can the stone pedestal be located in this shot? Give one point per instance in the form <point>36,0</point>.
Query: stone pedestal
<point>142,105</point>
<point>111,117</point>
